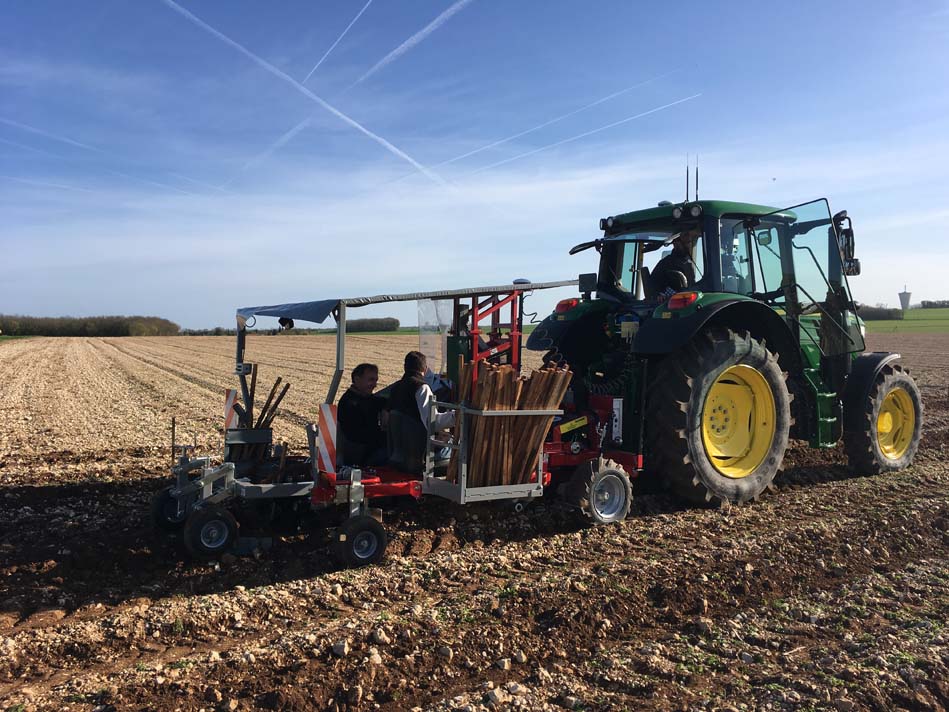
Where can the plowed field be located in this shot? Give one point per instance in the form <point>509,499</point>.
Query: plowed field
<point>832,592</point>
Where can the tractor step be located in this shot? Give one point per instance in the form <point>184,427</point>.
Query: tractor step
<point>828,412</point>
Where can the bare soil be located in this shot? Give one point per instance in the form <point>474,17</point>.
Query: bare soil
<point>832,592</point>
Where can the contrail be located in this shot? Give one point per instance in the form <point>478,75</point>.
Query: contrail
<point>264,155</point>
<point>333,46</point>
<point>29,148</point>
<point>43,184</point>
<point>583,135</point>
<point>414,40</point>
<point>147,181</point>
<point>196,182</point>
<point>71,142</point>
<point>263,64</point>
<point>269,151</point>
<point>47,134</point>
<point>544,125</point>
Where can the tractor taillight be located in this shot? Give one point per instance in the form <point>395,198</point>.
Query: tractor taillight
<point>565,305</point>
<point>681,300</point>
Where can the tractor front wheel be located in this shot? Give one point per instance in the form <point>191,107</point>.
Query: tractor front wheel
<point>889,430</point>
<point>210,532</point>
<point>721,417</point>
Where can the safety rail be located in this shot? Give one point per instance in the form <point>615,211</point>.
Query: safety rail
<point>458,491</point>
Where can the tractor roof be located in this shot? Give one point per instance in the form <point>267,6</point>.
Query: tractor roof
<point>715,208</point>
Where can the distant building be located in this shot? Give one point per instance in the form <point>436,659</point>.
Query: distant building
<point>904,298</point>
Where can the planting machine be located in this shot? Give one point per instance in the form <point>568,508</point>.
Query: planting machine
<point>699,387</point>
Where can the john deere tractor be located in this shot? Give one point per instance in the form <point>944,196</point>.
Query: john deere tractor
<point>703,383</point>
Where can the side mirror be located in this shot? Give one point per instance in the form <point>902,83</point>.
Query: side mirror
<point>847,243</point>
<point>845,235</point>
<point>852,267</point>
<point>763,238</point>
<point>587,284</point>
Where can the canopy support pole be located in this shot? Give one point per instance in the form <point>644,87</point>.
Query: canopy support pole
<point>340,351</point>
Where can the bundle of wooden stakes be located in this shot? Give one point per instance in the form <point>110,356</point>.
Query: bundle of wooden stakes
<point>264,419</point>
<point>503,450</point>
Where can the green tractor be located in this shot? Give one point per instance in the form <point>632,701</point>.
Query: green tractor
<point>700,375</point>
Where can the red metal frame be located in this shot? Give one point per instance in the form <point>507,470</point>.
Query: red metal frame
<point>492,307</point>
<point>376,481</point>
<point>557,451</point>
<point>379,482</point>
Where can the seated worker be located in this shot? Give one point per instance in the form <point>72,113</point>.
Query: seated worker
<point>412,399</point>
<point>360,415</point>
<point>679,260</point>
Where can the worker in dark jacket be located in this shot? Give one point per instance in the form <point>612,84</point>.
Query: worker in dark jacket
<point>679,260</point>
<point>360,414</point>
<point>412,397</point>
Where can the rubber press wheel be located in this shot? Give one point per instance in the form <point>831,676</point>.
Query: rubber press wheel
<point>164,512</point>
<point>210,532</point>
<point>601,490</point>
<point>359,541</point>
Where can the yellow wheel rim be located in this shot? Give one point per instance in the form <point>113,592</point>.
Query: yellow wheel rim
<point>896,424</point>
<point>738,421</point>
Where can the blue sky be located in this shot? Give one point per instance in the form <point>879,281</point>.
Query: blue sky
<point>146,164</point>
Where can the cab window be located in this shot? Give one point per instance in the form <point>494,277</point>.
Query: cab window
<point>749,257</point>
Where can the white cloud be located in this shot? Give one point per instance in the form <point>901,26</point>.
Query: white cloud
<point>324,231</point>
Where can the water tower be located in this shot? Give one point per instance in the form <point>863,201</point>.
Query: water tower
<point>904,298</point>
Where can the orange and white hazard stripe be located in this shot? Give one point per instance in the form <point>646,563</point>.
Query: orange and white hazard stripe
<point>231,419</point>
<point>326,452</point>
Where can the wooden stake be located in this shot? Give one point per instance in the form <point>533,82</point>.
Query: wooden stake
<point>485,396</point>
<point>510,435</point>
<point>253,391</point>
<point>260,418</point>
<point>273,409</point>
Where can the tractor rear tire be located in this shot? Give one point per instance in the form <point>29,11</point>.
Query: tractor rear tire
<point>721,417</point>
<point>210,532</point>
<point>602,491</point>
<point>890,426</point>
<point>359,541</point>
<point>164,512</point>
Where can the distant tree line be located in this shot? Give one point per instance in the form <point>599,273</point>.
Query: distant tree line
<point>216,331</point>
<point>938,304</point>
<point>353,326</point>
<point>387,323</point>
<point>87,326</point>
<point>868,313</point>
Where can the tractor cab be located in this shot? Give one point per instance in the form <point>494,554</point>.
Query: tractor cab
<point>675,262</point>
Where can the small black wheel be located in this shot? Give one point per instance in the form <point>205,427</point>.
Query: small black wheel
<point>359,541</point>
<point>164,512</point>
<point>210,532</point>
<point>602,491</point>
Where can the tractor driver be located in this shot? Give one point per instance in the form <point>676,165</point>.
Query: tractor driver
<point>665,283</point>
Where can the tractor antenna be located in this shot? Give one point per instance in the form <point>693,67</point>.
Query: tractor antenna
<point>687,177</point>
<point>696,177</point>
